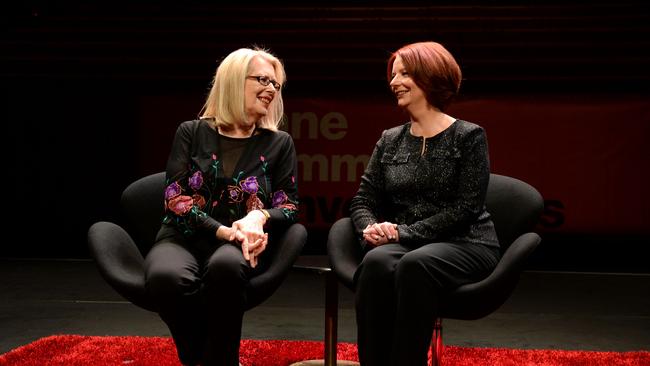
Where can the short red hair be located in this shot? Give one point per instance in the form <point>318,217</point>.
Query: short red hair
<point>433,69</point>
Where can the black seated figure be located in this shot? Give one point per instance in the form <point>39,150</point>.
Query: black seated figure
<point>514,208</point>
<point>419,217</point>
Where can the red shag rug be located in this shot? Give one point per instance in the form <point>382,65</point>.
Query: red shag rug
<point>71,350</point>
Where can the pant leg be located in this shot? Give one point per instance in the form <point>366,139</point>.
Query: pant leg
<point>172,280</point>
<point>375,302</point>
<point>223,290</point>
<point>422,276</point>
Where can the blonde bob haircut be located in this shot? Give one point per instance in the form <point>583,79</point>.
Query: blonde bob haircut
<point>225,104</point>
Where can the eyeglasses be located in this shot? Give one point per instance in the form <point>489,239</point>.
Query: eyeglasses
<point>265,80</point>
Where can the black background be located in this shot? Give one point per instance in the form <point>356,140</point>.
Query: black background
<point>75,75</point>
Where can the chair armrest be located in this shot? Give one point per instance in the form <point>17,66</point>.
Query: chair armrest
<point>514,259</point>
<point>119,261</point>
<point>479,299</point>
<point>344,251</point>
<point>288,248</point>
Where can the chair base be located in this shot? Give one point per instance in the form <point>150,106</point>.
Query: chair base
<point>322,363</point>
<point>320,265</point>
<point>436,344</point>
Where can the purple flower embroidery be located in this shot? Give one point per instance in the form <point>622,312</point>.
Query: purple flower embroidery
<point>172,191</point>
<point>235,194</point>
<point>249,185</point>
<point>196,180</point>
<point>279,198</point>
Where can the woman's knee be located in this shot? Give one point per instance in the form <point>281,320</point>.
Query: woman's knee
<point>415,267</point>
<point>410,263</point>
<point>377,263</point>
<point>166,283</point>
<point>226,264</point>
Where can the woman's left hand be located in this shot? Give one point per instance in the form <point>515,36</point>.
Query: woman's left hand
<point>381,233</point>
<point>250,234</point>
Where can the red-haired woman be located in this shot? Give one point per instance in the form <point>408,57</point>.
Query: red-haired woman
<point>420,211</point>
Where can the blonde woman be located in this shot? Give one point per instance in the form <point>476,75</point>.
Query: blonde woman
<point>231,177</point>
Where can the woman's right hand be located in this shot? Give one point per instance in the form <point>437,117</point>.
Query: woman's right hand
<point>251,245</point>
<point>251,249</point>
<point>381,233</point>
<point>225,233</point>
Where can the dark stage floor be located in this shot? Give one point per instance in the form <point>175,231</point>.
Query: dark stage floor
<point>549,310</point>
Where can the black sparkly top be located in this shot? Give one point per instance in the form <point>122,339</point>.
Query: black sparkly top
<point>435,196</point>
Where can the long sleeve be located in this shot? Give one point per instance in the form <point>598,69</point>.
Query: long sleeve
<point>284,195</point>
<point>186,192</point>
<point>364,206</point>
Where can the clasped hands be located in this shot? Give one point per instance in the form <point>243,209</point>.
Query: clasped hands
<point>249,233</point>
<point>381,233</point>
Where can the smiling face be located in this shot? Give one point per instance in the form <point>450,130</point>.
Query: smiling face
<point>258,97</point>
<point>408,94</point>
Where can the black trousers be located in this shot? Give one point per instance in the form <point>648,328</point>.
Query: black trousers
<point>398,292</point>
<point>201,293</point>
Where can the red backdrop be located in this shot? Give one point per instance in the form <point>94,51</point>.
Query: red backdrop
<point>586,155</point>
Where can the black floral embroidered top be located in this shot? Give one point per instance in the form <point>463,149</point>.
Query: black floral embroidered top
<point>433,197</point>
<point>200,198</point>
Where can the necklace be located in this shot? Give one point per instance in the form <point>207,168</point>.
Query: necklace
<point>424,146</point>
